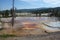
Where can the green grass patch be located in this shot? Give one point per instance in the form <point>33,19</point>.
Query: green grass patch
<point>7,35</point>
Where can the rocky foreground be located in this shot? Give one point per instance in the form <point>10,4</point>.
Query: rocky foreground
<point>49,36</point>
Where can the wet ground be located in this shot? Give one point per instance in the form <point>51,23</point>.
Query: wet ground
<point>27,25</point>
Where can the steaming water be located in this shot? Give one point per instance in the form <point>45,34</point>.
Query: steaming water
<point>51,21</point>
<point>36,19</point>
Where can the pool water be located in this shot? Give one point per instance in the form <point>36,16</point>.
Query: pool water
<point>54,24</point>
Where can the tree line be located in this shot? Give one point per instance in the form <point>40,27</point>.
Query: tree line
<point>54,12</point>
<point>6,13</point>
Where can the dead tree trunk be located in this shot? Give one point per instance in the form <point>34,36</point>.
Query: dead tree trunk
<point>13,13</point>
